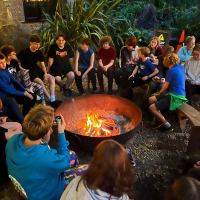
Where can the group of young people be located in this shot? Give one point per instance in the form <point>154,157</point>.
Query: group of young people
<point>36,169</point>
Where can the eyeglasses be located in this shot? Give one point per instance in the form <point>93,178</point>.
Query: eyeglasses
<point>14,54</point>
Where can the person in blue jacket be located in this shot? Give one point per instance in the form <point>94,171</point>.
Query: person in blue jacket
<point>9,87</point>
<point>185,52</point>
<point>35,169</point>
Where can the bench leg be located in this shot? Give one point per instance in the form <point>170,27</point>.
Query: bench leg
<point>182,121</point>
<point>194,140</point>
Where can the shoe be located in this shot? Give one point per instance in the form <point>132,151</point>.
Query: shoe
<point>156,125</point>
<point>67,92</point>
<point>55,104</point>
<point>95,92</point>
<point>38,98</point>
<point>162,128</point>
<point>133,163</point>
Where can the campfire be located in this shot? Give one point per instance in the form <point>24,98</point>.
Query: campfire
<point>98,126</point>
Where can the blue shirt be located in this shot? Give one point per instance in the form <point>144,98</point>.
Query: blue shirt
<point>176,78</point>
<point>38,169</point>
<point>84,58</point>
<point>145,68</point>
<point>185,52</point>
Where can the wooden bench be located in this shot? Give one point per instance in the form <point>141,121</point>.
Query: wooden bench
<point>186,112</point>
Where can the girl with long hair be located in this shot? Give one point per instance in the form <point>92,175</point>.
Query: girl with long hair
<point>155,48</point>
<point>109,176</point>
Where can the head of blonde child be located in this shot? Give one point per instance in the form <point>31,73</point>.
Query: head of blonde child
<point>143,52</point>
<point>170,60</point>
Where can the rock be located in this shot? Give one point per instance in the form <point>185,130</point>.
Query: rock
<point>147,20</point>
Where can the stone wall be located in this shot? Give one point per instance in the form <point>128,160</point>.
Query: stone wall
<point>13,30</point>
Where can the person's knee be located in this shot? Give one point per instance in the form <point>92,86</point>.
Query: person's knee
<point>152,108</point>
<point>152,100</point>
<point>71,75</point>
<point>51,78</point>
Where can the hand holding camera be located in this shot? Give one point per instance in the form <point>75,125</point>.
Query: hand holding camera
<point>61,124</point>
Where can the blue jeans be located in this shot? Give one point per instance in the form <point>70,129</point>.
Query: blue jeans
<point>155,86</point>
<point>11,109</point>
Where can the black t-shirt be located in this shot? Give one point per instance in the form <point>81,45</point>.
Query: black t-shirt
<point>61,56</point>
<point>13,67</point>
<point>29,59</point>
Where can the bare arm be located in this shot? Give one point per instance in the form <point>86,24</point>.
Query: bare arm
<point>135,70</point>
<point>71,62</point>
<point>110,64</point>
<point>50,63</point>
<point>164,88</point>
<point>154,73</point>
<point>43,67</point>
<point>100,63</point>
<point>19,63</point>
<point>76,61</point>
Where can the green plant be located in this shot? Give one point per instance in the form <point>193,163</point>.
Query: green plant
<point>87,19</point>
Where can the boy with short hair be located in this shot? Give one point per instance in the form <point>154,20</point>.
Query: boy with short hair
<point>9,87</point>
<point>143,72</point>
<point>175,87</point>
<point>29,58</point>
<point>61,63</point>
<point>106,56</point>
<point>40,171</point>
<point>21,75</point>
<point>192,70</point>
<point>85,55</point>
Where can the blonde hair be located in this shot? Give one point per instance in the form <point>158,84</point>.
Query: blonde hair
<point>189,38</point>
<point>105,39</point>
<point>38,122</point>
<point>158,42</point>
<point>145,51</point>
<point>171,59</point>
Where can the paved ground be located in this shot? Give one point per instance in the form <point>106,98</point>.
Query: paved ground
<point>157,154</point>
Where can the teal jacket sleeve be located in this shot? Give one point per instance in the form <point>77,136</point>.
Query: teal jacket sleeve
<point>182,54</point>
<point>61,160</point>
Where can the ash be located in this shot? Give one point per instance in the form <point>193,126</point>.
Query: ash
<point>125,123</point>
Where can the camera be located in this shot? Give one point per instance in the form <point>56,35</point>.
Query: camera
<point>56,118</point>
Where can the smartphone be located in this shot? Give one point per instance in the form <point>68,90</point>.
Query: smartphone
<point>156,78</point>
<point>56,118</point>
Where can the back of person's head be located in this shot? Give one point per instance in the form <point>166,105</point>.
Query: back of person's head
<point>61,35</point>
<point>184,188</point>
<point>86,41</point>
<point>34,38</point>
<point>167,50</point>
<point>105,39</point>
<point>131,41</point>
<point>7,50</point>
<point>110,170</point>
<point>38,122</point>
<point>197,47</point>
<point>144,51</point>
<point>2,56</point>
<point>189,38</point>
<point>171,59</point>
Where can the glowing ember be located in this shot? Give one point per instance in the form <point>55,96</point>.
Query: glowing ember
<point>97,126</point>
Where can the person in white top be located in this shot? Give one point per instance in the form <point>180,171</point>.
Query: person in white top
<point>192,69</point>
<point>109,176</point>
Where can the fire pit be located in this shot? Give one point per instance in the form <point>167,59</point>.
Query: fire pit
<point>93,118</point>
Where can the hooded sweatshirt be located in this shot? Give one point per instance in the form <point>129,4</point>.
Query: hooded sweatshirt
<point>192,70</point>
<point>8,85</point>
<point>84,193</point>
<point>38,170</point>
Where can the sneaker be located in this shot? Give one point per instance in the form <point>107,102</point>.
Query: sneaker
<point>133,163</point>
<point>38,98</point>
<point>95,92</point>
<point>67,92</point>
<point>166,130</point>
<point>156,125</point>
<point>55,104</point>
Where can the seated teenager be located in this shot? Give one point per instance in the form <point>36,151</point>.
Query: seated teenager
<point>9,87</point>
<point>85,55</point>
<point>186,51</point>
<point>155,49</point>
<point>158,81</point>
<point>192,70</point>
<point>143,72</point>
<point>29,58</point>
<point>40,170</point>
<point>175,88</point>
<point>184,188</point>
<point>109,176</point>
<point>21,75</point>
<point>7,130</point>
<point>127,62</point>
<point>106,56</point>
<point>61,62</point>
<point>11,109</point>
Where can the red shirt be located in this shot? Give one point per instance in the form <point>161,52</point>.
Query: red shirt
<point>106,55</point>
